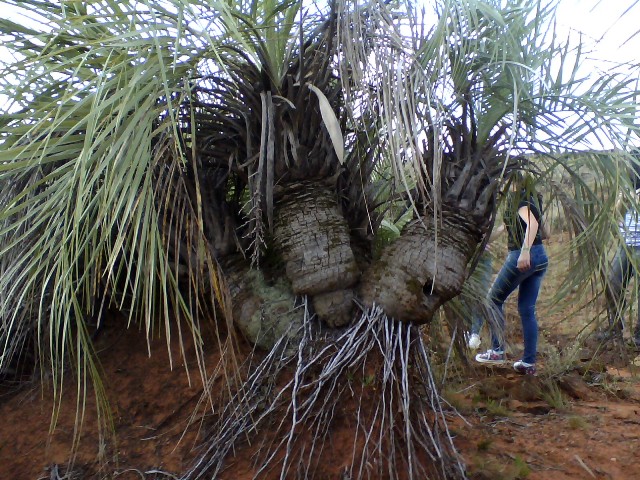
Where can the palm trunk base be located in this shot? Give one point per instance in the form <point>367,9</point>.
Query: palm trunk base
<point>420,271</point>
<point>263,313</point>
<point>313,239</point>
<point>335,308</point>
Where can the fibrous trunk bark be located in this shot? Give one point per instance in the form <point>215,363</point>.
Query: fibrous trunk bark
<point>312,237</point>
<point>423,268</point>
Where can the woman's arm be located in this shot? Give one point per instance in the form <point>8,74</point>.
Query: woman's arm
<point>524,260</point>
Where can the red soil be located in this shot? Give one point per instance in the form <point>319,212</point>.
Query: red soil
<point>507,423</point>
<point>582,424</point>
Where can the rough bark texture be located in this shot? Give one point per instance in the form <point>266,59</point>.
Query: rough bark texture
<point>415,275</point>
<point>312,238</point>
<point>262,312</point>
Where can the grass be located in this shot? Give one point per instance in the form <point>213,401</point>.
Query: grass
<point>497,469</point>
<point>453,399</point>
<point>560,361</point>
<point>497,409</point>
<point>368,380</point>
<point>521,468</point>
<point>615,387</point>
<point>453,395</point>
<point>577,422</point>
<point>484,444</point>
<point>555,397</point>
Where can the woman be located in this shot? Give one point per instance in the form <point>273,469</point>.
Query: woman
<point>624,266</point>
<point>524,268</point>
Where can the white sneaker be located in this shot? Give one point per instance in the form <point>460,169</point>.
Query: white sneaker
<point>525,368</point>
<point>491,356</point>
<point>474,341</point>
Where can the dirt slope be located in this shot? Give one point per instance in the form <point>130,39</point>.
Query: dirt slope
<point>581,424</point>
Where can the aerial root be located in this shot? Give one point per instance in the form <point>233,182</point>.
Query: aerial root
<point>380,368</point>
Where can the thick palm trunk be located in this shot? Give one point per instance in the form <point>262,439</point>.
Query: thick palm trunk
<point>312,238</point>
<point>421,270</point>
<point>262,311</point>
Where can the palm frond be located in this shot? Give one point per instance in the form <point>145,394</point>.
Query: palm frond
<point>93,135</point>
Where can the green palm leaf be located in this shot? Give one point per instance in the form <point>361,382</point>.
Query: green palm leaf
<point>93,125</point>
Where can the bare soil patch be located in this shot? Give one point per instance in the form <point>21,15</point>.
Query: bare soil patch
<point>579,424</point>
<point>527,427</point>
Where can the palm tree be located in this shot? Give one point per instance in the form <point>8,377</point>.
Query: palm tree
<point>194,159</point>
<point>271,116</point>
<point>488,97</point>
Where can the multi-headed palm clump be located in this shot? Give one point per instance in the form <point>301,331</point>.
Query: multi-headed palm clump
<point>182,161</point>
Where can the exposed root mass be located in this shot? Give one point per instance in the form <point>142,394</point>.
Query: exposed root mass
<point>377,367</point>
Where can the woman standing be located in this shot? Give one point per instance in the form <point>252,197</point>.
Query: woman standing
<point>524,268</point>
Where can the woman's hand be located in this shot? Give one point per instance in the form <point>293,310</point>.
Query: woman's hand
<point>524,260</point>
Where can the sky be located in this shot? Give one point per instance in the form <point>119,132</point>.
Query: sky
<point>605,27</point>
<point>607,32</point>
<point>603,23</point>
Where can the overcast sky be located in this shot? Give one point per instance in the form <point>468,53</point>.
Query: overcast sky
<point>605,27</point>
<point>608,33</point>
<point>603,23</point>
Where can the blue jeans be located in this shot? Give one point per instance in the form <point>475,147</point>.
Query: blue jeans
<point>483,273</point>
<point>622,269</point>
<point>528,283</point>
